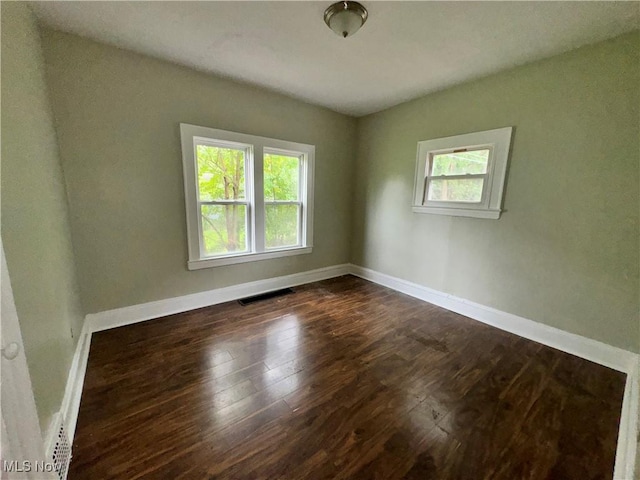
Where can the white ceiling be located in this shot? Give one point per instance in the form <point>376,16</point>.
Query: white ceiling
<point>405,50</point>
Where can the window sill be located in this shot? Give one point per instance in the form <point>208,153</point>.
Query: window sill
<point>246,257</point>
<point>458,212</point>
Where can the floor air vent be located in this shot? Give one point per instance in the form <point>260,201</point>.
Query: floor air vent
<point>61,449</point>
<point>265,296</point>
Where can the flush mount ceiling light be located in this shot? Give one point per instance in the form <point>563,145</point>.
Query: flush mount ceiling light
<point>345,18</point>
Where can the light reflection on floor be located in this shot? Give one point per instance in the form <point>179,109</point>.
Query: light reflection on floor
<point>281,340</point>
<point>283,336</point>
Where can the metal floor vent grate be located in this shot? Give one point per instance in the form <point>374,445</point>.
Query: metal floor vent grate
<point>265,296</point>
<point>61,454</point>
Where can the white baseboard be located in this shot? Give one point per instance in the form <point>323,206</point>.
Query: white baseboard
<point>598,352</point>
<point>587,348</point>
<point>96,322</point>
<point>161,308</point>
<point>629,424</point>
<point>593,350</point>
<point>72,393</point>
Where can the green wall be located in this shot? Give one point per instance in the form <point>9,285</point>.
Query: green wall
<point>35,231</point>
<point>565,251</point>
<point>117,118</point>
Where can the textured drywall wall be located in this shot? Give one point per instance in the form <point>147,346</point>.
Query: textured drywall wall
<point>117,117</point>
<point>35,230</point>
<point>565,251</point>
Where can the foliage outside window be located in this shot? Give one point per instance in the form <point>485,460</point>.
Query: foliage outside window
<point>462,175</point>
<point>248,198</point>
<point>222,199</point>
<point>281,200</point>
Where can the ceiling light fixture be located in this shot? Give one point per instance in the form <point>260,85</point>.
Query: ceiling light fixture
<point>345,18</point>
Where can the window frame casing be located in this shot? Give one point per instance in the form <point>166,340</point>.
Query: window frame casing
<point>497,141</point>
<point>192,135</point>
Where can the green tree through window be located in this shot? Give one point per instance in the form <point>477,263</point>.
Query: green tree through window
<point>282,202</point>
<point>221,183</point>
<point>247,198</point>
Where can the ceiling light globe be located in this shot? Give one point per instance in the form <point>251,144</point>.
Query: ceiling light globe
<point>345,18</point>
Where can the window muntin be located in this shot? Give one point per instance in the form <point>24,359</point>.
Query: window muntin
<point>247,198</point>
<point>462,175</point>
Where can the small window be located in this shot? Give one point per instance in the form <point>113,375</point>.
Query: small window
<point>462,175</point>
<point>248,198</point>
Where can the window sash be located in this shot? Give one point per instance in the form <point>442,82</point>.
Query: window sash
<point>302,166</point>
<point>448,151</point>
<point>427,187</point>
<point>243,147</point>
<point>249,163</point>
<point>455,202</point>
<point>302,194</point>
<point>299,232</point>
<point>467,176</point>
<point>247,226</point>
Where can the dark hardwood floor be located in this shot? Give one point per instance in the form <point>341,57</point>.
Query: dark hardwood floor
<point>342,379</point>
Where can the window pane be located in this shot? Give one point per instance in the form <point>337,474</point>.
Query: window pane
<point>220,173</point>
<point>281,225</point>
<point>281,177</point>
<point>459,190</point>
<point>460,163</point>
<point>224,228</point>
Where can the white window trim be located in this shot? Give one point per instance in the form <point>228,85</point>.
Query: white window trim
<point>254,159</point>
<point>498,142</point>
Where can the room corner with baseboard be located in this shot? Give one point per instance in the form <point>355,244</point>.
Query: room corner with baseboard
<point>236,255</point>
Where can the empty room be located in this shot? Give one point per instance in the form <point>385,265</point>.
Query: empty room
<point>317,240</point>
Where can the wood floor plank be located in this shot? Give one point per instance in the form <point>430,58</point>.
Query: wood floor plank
<point>342,379</point>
